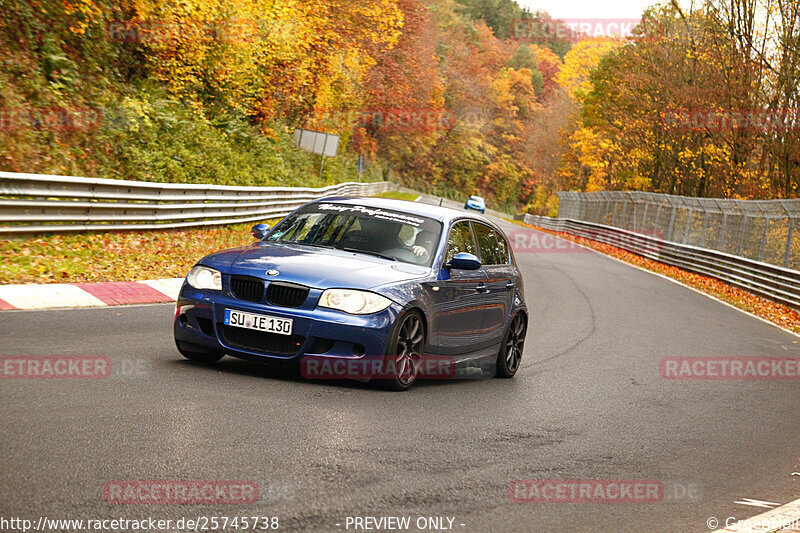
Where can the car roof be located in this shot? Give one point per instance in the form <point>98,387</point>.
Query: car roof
<point>441,213</point>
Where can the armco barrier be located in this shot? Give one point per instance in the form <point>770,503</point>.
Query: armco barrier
<point>761,230</point>
<point>35,203</point>
<point>770,281</point>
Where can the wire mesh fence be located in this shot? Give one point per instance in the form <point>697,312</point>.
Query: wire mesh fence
<point>762,230</point>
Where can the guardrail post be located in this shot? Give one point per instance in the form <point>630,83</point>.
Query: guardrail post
<point>688,225</point>
<point>632,218</point>
<point>722,231</point>
<point>658,216</point>
<point>705,227</point>
<point>644,216</point>
<point>763,239</point>
<point>788,243</point>
<point>745,219</point>
<point>672,222</point>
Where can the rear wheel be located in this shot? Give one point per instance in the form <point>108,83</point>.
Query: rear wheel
<point>198,354</point>
<point>404,356</point>
<point>510,355</point>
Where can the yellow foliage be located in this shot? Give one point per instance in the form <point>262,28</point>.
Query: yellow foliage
<point>257,55</point>
<point>83,14</point>
<point>580,61</point>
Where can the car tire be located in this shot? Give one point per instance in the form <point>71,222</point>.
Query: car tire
<point>404,353</point>
<point>510,355</point>
<point>197,354</point>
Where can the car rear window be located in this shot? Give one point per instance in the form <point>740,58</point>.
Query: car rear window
<point>492,245</point>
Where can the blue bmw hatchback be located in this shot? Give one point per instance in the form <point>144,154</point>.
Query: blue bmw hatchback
<point>346,279</point>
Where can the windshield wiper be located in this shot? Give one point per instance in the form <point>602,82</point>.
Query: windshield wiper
<point>368,252</point>
<point>300,243</point>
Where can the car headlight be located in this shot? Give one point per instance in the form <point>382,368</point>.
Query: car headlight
<point>202,277</point>
<point>353,302</point>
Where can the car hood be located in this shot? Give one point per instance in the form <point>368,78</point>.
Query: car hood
<point>315,267</point>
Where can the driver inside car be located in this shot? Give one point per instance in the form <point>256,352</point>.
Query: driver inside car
<point>423,244</point>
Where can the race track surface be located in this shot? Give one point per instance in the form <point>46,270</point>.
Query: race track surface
<point>588,403</point>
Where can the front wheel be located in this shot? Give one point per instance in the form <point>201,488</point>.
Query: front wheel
<point>404,355</point>
<point>511,349</point>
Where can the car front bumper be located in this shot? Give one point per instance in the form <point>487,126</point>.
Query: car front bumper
<point>199,326</point>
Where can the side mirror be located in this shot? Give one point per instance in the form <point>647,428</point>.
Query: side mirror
<point>464,261</point>
<point>259,231</point>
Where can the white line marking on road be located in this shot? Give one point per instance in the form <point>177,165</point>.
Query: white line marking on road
<point>33,296</point>
<point>757,503</point>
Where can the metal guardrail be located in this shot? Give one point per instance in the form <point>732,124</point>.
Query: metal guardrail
<point>770,281</point>
<point>37,203</point>
<point>763,230</point>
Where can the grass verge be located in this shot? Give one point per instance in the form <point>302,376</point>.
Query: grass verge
<point>114,256</point>
<point>397,195</point>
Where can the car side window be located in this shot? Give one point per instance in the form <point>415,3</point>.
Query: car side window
<point>460,240</point>
<point>492,245</point>
<point>502,250</point>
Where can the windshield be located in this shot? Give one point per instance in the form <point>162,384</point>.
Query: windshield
<point>393,235</point>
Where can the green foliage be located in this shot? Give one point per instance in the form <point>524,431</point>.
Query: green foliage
<point>398,195</point>
<point>152,138</point>
<point>525,57</point>
<point>498,14</point>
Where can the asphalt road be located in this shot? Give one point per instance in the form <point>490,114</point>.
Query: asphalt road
<point>587,403</point>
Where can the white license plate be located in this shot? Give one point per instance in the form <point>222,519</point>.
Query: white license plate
<point>271,324</point>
